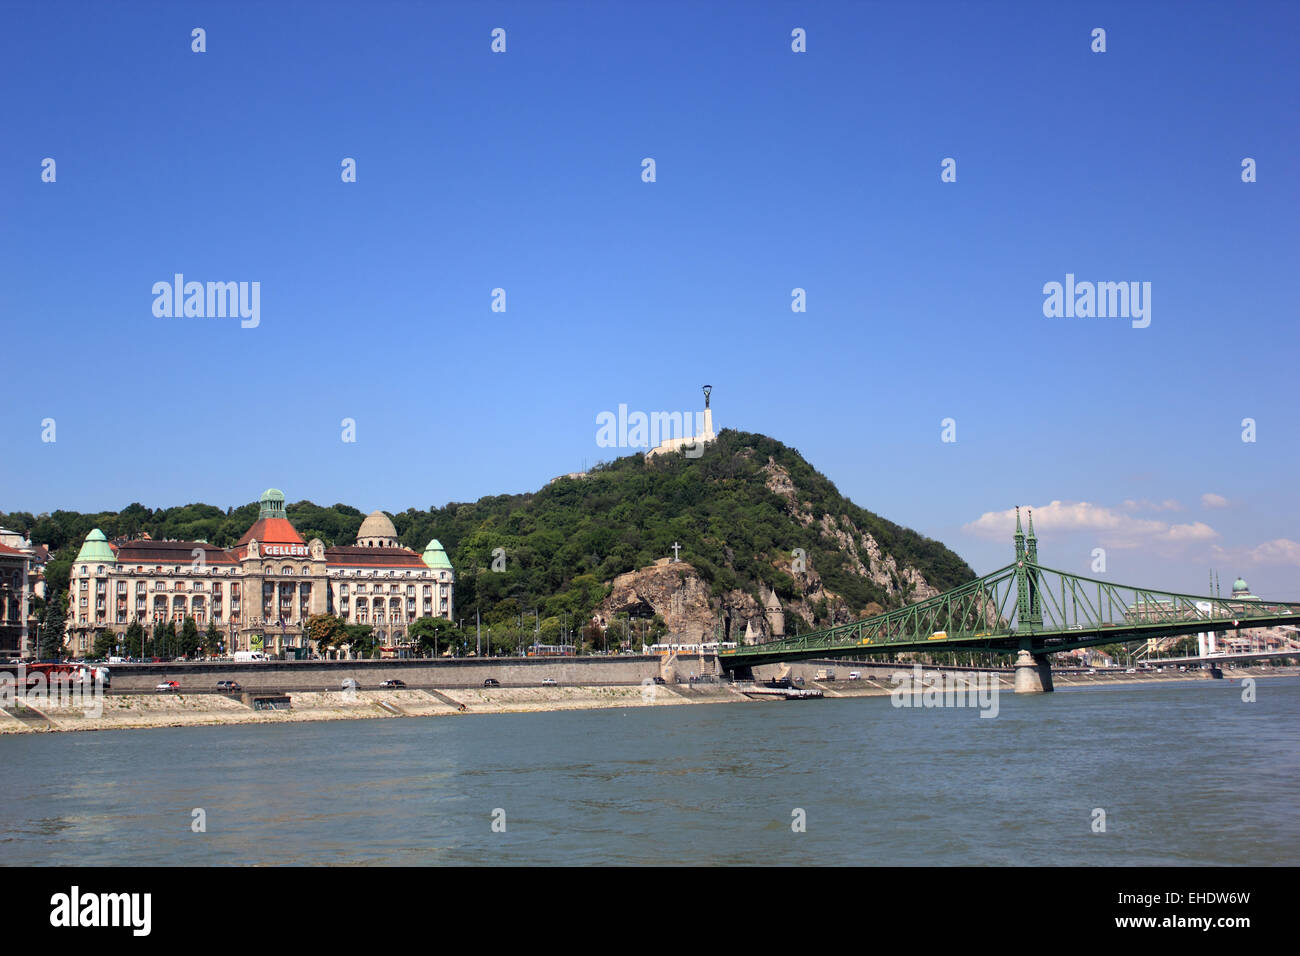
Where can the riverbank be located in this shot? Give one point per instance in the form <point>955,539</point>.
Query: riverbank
<point>133,711</point>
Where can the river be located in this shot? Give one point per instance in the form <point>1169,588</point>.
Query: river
<point>1187,773</point>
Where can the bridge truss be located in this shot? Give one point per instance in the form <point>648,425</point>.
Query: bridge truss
<point>1023,606</point>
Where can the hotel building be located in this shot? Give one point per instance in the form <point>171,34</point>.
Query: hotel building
<point>261,592</point>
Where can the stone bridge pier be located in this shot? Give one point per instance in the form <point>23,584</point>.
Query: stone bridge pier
<point>1033,673</point>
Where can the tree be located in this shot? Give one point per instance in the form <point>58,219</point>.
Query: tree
<point>361,638</point>
<point>327,631</point>
<point>53,623</point>
<point>432,632</point>
<point>134,640</point>
<point>105,643</point>
<point>188,644</point>
<point>163,643</point>
<point>211,639</point>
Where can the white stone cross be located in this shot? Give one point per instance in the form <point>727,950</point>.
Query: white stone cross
<point>676,547</point>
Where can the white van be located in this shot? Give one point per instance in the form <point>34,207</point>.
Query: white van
<point>249,656</point>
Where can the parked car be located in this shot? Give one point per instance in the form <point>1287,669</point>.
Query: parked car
<point>549,682</point>
<point>491,682</point>
<point>168,686</point>
<point>350,684</point>
<point>660,680</point>
<point>393,683</point>
<point>855,675</point>
<point>229,686</point>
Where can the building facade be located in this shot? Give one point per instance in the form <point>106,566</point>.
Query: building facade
<point>18,616</point>
<point>262,592</point>
<point>16,633</point>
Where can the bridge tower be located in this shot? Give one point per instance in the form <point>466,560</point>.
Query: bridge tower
<point>1031,562</point>
<point>1022,579</point>
<point>1033,671</point>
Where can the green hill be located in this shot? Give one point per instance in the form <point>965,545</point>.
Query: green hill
<point>738,513</point>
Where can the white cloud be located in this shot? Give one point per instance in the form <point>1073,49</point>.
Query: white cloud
<point>1281,551</point>
<point>1110,527</point>
<point>1211,500</point>
<point>1169,504</point>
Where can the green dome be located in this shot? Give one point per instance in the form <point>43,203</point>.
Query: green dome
<point>95,550</point>
<point>435,557</point>
<point>272,504</point>
<point>1239,585</point>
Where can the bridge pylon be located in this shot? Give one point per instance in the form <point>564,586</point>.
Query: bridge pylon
<point>1033,673</point>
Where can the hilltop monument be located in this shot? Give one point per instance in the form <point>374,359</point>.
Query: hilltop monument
<point>693,445</point>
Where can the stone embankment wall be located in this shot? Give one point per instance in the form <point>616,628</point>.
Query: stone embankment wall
<point>329,675</point>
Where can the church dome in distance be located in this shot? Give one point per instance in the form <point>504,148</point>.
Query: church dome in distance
<point>1241,589</point>
<point>377,531</point>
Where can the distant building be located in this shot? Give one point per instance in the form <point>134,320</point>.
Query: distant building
<point>15,602</point>
<point>261,592</point>
<point>19,591</point>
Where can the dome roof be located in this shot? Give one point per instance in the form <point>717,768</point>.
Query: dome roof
<point>435,556</point>
<point>1239,585</point>
<point>271,504</point>
<point>96,549</point>
<point>377,525</point>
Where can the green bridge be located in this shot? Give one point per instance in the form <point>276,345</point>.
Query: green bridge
<point>1023,609</point>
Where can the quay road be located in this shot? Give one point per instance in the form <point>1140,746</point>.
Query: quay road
<point>426,674</point>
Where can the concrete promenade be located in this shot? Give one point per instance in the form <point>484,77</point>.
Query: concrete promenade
<point>454,688</point>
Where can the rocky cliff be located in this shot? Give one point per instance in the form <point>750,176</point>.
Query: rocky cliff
<point>694,611</point>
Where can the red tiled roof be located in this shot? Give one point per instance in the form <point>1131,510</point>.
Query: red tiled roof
<point>353,556</point>
<point>170,552</point>
<point>5,549</point>
<point>271,531</point>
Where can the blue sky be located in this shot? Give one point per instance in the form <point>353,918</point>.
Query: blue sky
<point>775,170</point>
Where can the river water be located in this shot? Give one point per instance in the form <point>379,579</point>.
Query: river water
<point>1186,773</point>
